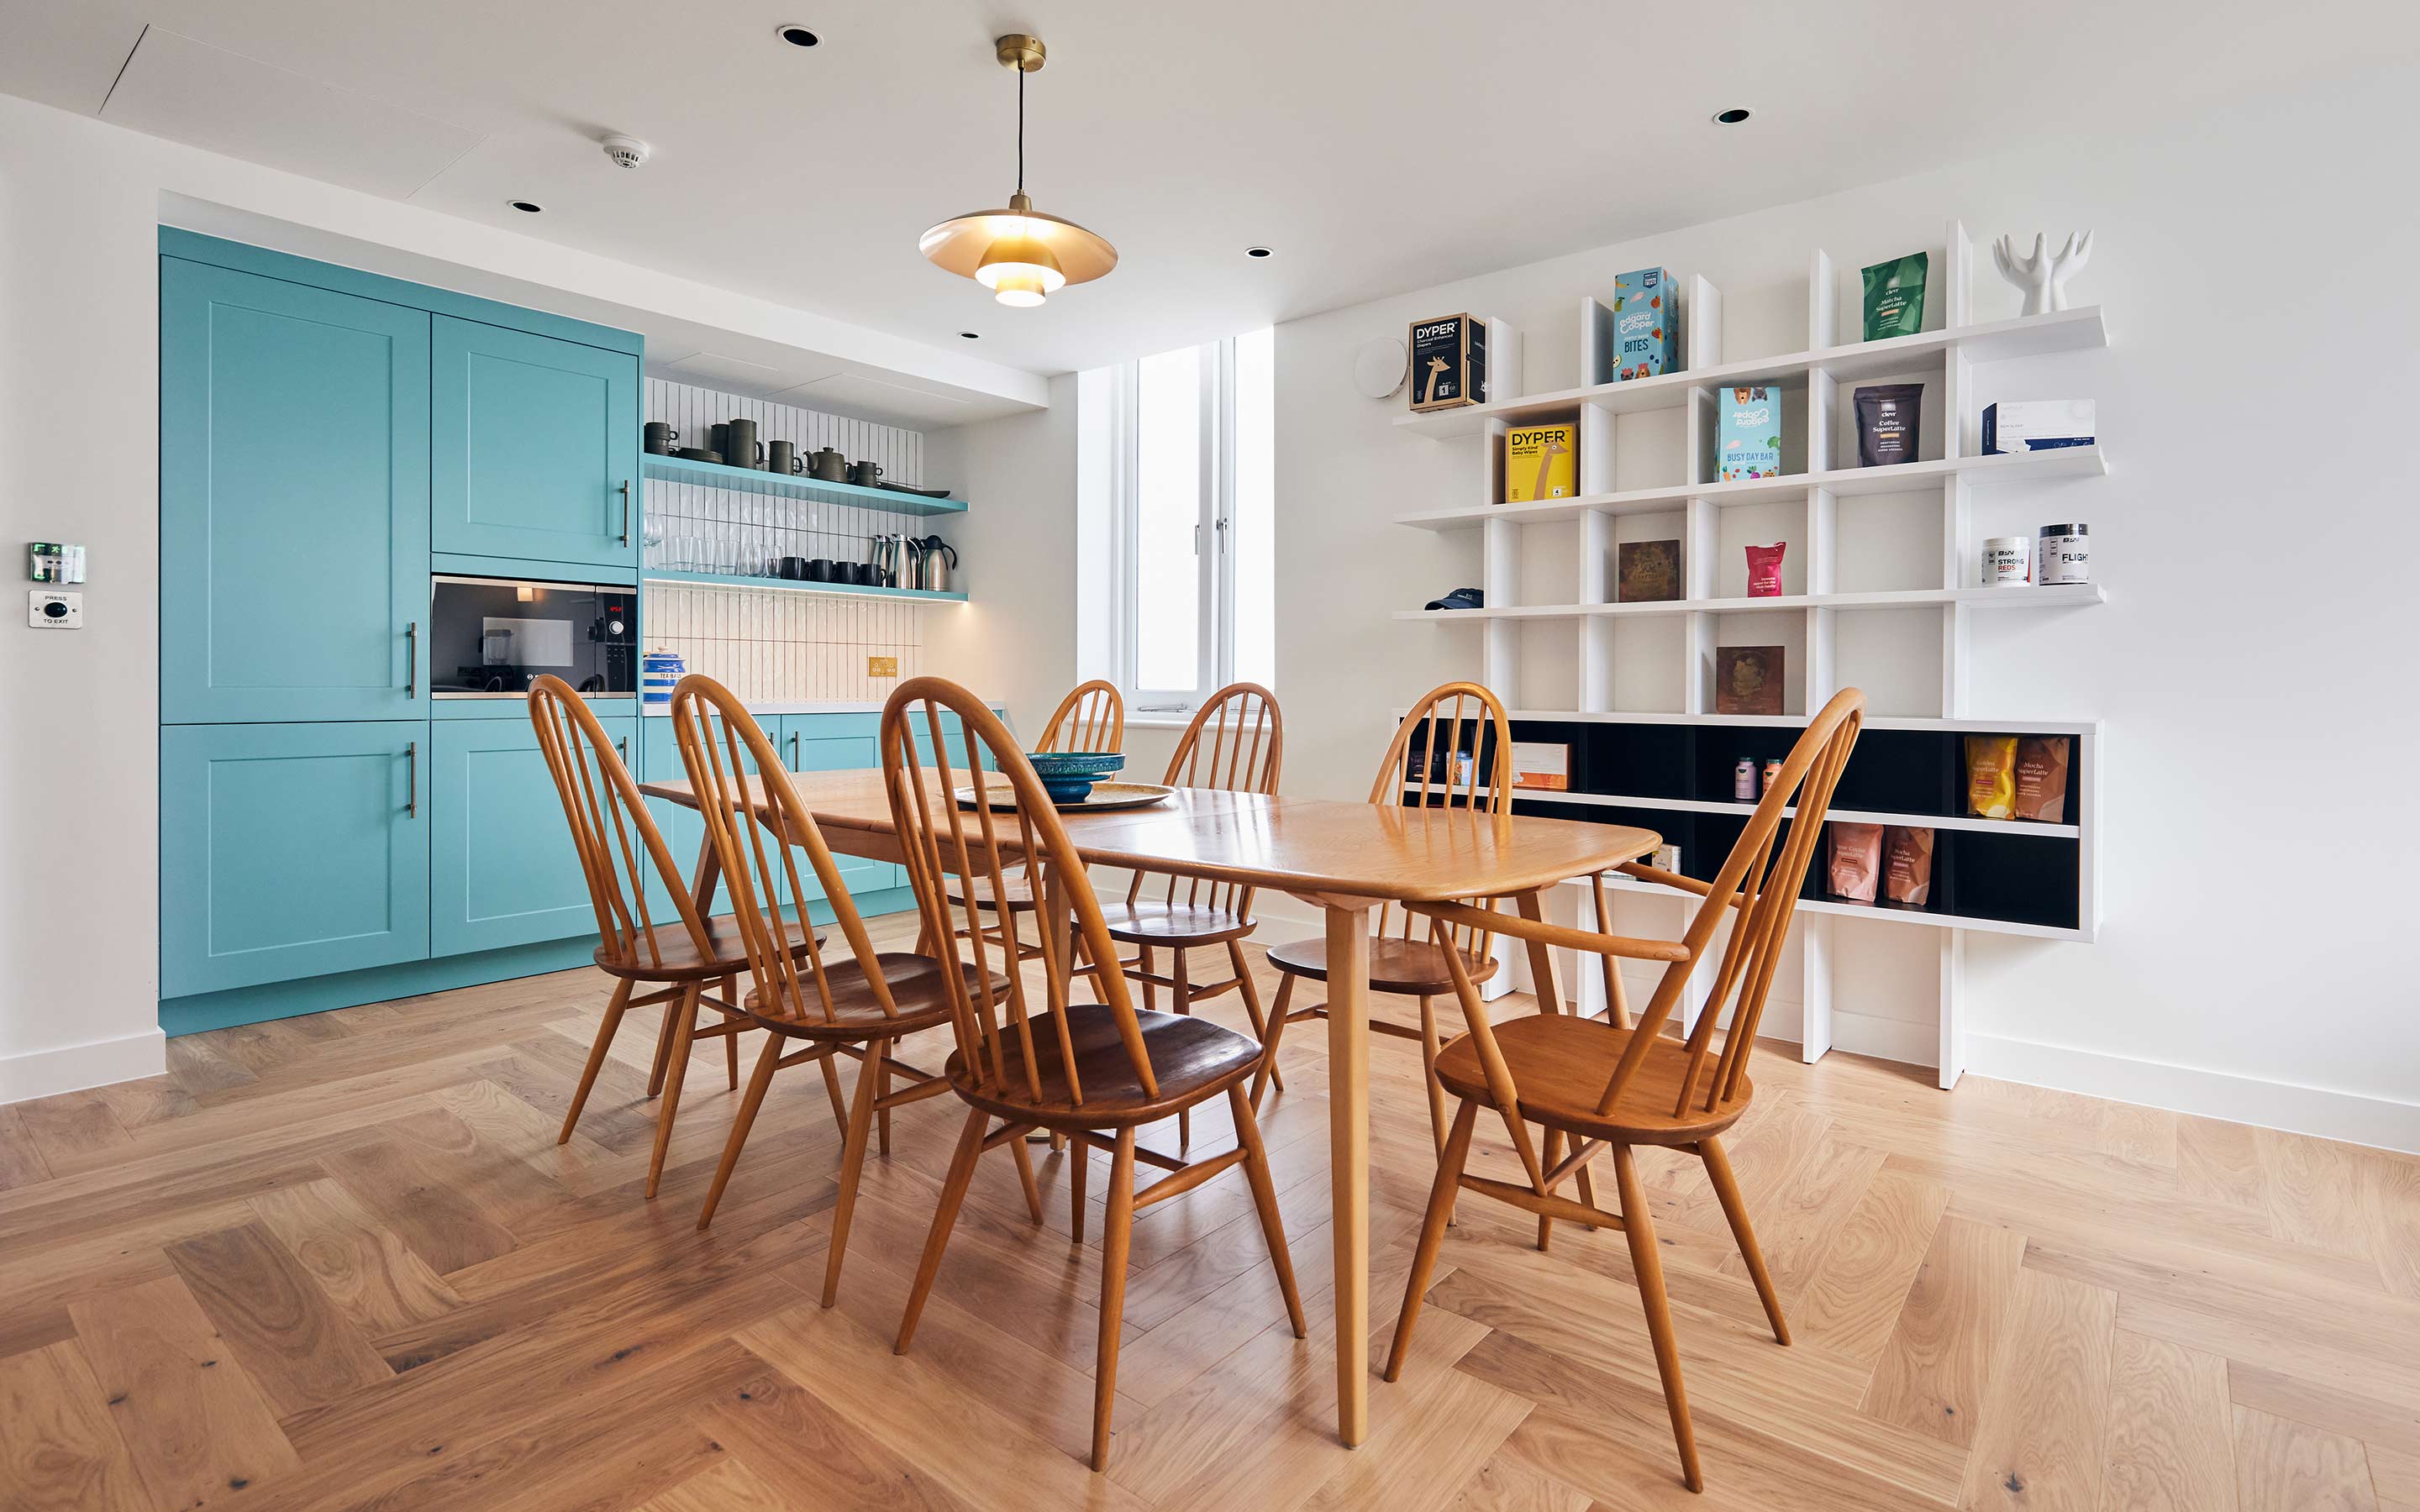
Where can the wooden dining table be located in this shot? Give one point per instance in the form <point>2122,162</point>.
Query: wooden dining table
<point>1345,858</point>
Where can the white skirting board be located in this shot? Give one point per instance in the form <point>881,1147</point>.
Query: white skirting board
<point>74,1067</point>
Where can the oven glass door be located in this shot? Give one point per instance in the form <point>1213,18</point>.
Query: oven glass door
<point>490,637</point>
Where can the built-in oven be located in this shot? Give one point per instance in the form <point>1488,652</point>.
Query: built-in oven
<point>492,637</point>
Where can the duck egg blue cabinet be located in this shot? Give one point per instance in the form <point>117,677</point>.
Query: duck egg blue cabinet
<point>831,743</point>
<point>502,868</point>
<point>291,850</point>
<point>684,832</point>
<point>293,501</point>
<point>536,446</point>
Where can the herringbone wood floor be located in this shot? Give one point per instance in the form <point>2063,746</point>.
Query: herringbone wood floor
<point>340,1261</point>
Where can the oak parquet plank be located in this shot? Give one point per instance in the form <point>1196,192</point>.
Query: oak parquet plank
<point>2217,1162</point>
<point>2292,1467</point>
<point>2394,1473</point>
<point>2395,1208</point>
<point>58,1452</point>
<point>1797,1222</point>
<point>2315,1189</point>
<point>2146,1136</point>
<point>2171,1431</point>
<point>730,1485</point>
<point>1861,1284</point>
<point>1505,1484</point>
<point>105,1258</point>
<point>367,1270</point>
<point>2376,1372</point>
<point>300,1350</point>
<point>2039,1437</point>
<point>436,1219</point>
<point>1936,1366</point>
<point>151,1100</point>
<point>21,1164</point>
<point>194,1423</point>
<point>201,1067</point>
<point>786,1444</point>
<point>2344,1409</point>
<point>579,1166</point>
<point>74,1130</point>
<point>24,1329</point>
<point>508,1189</point>
<point>1420,1458</point>
<point>542,1069</point>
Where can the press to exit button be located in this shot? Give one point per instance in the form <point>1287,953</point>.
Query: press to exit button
<point>46,610</point>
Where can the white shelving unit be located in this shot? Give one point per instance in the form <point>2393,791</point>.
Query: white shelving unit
<point>1943,600</point>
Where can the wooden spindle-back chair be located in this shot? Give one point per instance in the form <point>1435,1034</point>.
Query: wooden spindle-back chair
<point>630,873</point>
<point>1092,717</point>
<point>1094,1071</point>
<point>861,1004</point>
<point>1609,1085</point>
<point>1235,743</point>
<point>1404,958</point>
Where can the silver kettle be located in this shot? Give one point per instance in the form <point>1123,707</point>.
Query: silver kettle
<point>935,559</point>
<point>887,554</point>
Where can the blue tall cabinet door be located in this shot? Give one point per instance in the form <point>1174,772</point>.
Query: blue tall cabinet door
<point>290,851</point>
<point>684,832</point>
<point>535,445</point>
<point>831,743</point>
<point>293,501</point>
<point>505,870</point>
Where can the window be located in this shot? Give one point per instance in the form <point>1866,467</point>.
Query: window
<point>1192,442</point>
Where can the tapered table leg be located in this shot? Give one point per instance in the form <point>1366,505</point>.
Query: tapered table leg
<point>1348,1156</point>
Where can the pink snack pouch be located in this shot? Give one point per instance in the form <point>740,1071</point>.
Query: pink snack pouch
<point>1764,570</point>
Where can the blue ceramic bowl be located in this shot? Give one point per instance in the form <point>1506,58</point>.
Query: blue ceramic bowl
<point>1069,775</point>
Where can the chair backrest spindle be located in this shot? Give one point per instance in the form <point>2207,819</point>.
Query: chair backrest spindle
<point>1486,787</point>
<point>1093,716</point>
<point>1236,742</point>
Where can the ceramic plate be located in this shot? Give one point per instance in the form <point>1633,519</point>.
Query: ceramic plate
<point>1104,795</point>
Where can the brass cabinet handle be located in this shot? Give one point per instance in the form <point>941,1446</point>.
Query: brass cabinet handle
<point>412,660</point>
<point>626,512</point>
<point>412,764</point>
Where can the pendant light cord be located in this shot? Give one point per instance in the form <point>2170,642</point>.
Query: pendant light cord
<point>1020,129</point>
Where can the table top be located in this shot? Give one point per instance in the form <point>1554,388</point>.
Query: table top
<point>1316,846</point>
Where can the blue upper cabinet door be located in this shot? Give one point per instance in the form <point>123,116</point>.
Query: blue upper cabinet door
<point>503,865</point>
<point>534,446</point>
<point>290,851</point>
<point>293,501</point>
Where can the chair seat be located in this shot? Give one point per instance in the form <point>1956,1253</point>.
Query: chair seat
<point>1561,1062</point>
<point>1017,891</point>
<point>918,990</point>
<point>1191,1058</point>
<point>726,954</point>
<point>1145,922</point>
<point>1396,965</point>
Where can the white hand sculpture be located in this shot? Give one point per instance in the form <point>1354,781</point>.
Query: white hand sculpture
<point>2043,277</point>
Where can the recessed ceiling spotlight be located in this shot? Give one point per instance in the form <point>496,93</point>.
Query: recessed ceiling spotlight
<point>795,35</point>
<point>1731,116</point>
<point>527,206</point>
<point>1257,252</point>
<point>971,335</point>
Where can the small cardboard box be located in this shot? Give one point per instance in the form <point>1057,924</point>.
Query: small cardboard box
<point>1747,439</point>
<point>1541,462</point>
<point>1646,325</point>
<point>1540,764</point>
<point>2037,425</point>
<point>1747,679</point>
<point>1448,363</point>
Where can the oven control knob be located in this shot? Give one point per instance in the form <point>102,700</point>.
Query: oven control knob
<point>612,627</point>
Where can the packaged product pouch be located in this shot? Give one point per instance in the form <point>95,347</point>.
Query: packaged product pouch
<point>1895,297</point>
<point>1992,777</point>
<point>1886,422</point>
<point>1856,861</point>
<point>2041,779</point>
<point>1765,569</point>
<point>1907,866</point>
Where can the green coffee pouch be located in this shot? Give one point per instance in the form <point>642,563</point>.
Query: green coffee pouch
<point>1895,297</point>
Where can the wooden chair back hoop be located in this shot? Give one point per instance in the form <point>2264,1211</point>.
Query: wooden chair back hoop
<point>1093,716</point>
<point>1488,789</point>
<point>1235,742</point>
<point>611,827</point>
<point>940,841</point>
<point>758,848</point>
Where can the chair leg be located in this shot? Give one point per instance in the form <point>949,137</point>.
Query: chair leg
<point>882,1090</point>
<point>731,1042</point>
<point>945,1215</point>
<point>1550,1152</point>
<point>676,1067</point>
<point>1265,1196</point>
<point>1267,1075</point>
<point>831,1066</point>
<point>1250,990</point>
<point>1115,1235</point>
<point>759,1079</point>
<point>1588,1191</point>
<point>1718,1170</point>
<point>1025,1174</point>
<point>1441,1195</point>
<point>1428,1048</point>
<point>852,1160</point>
<point>619,1005</point>
<point>1182,1003</point>
<point>1150,988</point>
<point>664,1033</point>
<point>1649,1266</point>
<point>1077,1148</point>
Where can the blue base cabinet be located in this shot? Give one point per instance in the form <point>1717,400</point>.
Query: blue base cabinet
<point>291,850</point>
<point>293,501</point>
<point>504,870</point>
<point>535,445</point>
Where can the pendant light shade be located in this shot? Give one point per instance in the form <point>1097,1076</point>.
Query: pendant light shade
<point>1022,255</point>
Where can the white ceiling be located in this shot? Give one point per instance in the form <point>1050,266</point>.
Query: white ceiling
<point>1377,148</point>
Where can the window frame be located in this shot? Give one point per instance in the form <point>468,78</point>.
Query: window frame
<point>1214,533</point>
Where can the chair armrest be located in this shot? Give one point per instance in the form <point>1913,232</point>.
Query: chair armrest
<point>1546,933</point>
<point>1672,879</point>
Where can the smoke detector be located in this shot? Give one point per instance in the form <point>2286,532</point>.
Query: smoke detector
<point>625,151</point>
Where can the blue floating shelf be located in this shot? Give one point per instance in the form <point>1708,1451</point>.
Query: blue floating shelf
<point>788,585</point>
<point>754,480</point>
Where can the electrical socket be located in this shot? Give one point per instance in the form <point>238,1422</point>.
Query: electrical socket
<point>881,666</point>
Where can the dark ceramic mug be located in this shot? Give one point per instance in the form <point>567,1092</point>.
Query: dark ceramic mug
<point>794,568</point>
<point>660,438</point>
<point>820,570</point>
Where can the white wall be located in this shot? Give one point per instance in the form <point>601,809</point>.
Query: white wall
<point>80,208</point>
<point>2256,400</point>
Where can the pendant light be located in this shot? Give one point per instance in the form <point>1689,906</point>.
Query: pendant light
<point>1022,255</point>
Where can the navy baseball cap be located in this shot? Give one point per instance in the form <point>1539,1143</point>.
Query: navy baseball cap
<point>1459,598</point>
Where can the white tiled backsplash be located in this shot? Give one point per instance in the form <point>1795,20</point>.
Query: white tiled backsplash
<point>770,644</point>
